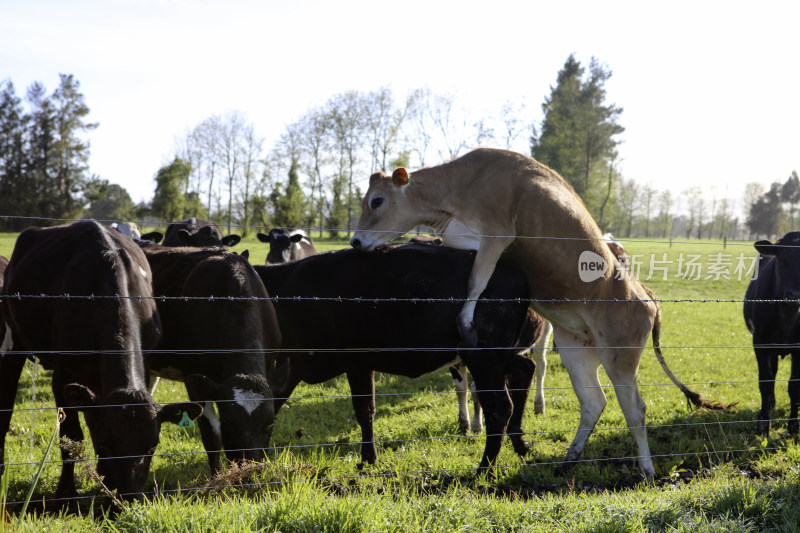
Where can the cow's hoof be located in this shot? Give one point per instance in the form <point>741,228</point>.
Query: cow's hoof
<point>762,428</point>
<point>476,428</point>
<point>521,446</point>
<point>793,426</point>
<point>463,426</point>
<point>538,408</point>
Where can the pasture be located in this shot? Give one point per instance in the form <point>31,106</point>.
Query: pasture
<point>713,472</point>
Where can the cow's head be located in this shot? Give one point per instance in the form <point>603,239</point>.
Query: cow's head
<point>386,211</point>
<point>787,269</point>
<point>206,236</point>
<point>280,244</point>
<point>246,413</point>
<point>125,427</point>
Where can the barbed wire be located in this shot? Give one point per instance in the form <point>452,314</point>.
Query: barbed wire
<point>380,300</point>
<point>422,472</point>
<point>165,224</point>
<point>377,442</point>
<point>406,394</point>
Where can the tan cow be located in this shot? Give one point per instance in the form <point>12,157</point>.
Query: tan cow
<point>496,201</point>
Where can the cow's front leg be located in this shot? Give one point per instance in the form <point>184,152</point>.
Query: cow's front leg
<point>491,248</point>
<point>362,389</point>
<point>767,368</point>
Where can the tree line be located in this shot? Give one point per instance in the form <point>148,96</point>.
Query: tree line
<point>309,178</point>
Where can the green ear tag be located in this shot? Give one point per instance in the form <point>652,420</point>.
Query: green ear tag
<point>186,422</point>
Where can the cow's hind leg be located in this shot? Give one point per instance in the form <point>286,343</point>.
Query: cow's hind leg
<point>794,393</point>
<point>497,407</point>
<point>582,364</point>
<point>459,373</point>
<point>767,368</point>
<point>10,370</point>
<point>539,352</point>
<point>621,366</point>
<point>518,379</point>
<point>362,388</point>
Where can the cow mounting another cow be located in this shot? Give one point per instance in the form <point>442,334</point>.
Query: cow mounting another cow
<point>496,202</point>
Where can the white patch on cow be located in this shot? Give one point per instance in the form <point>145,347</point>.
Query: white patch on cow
<point>143,273</point>
<point>249,400</point>
<point>457,234</point>
<point>211,415</point>
<point>8,344</point>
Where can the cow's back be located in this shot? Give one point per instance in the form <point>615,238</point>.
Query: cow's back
<point>409,274</point>
<point>226,307</point>
<point>770,322</point>
<point>82,259</point>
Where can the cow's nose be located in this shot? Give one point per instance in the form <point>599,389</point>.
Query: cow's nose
<point>355,243</point>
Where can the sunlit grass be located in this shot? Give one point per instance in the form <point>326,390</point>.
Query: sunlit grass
<point>714,473</point>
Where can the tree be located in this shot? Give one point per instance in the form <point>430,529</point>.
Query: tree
<point>290,206</point>
<point>168,200</point>
<point>578,132</point>
<point>765,214</point>
<point>114,203</point>
<point>790,194</point>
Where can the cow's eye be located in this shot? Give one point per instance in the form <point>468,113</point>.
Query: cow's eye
<point>376,202</point>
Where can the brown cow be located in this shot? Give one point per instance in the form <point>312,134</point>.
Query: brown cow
<point>497,201</point>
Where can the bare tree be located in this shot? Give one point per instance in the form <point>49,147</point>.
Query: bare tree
<point>345,111</point>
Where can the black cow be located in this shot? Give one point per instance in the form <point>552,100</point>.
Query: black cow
<point>224,342</point>
<point>410,271</point>
<point>198,233</point>
<point>3,265</point>
<point>776,325</point>
<point>93,346</point>
<point>287,246</point>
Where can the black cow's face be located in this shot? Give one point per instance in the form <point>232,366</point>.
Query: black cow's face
<point>246,413</point>
<point>787,254</point>
<point>125,428</point>
<point>280,245</point>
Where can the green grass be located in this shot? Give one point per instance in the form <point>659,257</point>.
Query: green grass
<point>715,474</point>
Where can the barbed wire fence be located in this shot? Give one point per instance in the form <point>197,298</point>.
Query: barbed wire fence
<point>34,376</point>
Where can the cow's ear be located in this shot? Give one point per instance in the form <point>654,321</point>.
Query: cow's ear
<point>400,177</point>
<point>296,237</point>
<point>262,237</point>
<point>246,255</point>
<point>179,413</point>
<point>766,248</point>
<point>376,176</point>
<point>204,387</point>
<point>230,240</point>
<point>184,236</point>
<point>77,395</point>
<point>154,237</point>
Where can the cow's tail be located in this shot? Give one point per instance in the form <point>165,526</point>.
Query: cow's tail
<point>693,397</point>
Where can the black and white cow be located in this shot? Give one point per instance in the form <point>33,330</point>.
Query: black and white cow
<point>351,328</point>
<point>219,348</point>
<point>776,325</point>
<point>198,233</point>
<point>93,345</point>
<point>285,245</point>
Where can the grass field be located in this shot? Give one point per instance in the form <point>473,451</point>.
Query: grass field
<point>714,473</point>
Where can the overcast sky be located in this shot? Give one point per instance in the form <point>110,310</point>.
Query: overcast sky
<point>709,89</point>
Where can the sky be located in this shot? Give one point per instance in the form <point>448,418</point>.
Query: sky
<point>710,90</point>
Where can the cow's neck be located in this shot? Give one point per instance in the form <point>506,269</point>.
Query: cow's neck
<point>437,199</point>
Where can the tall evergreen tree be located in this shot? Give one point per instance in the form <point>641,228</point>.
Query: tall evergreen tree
<point>765,214</point>
<point>577,136</point>
<point>290,206</point>
<point>168,200</point>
